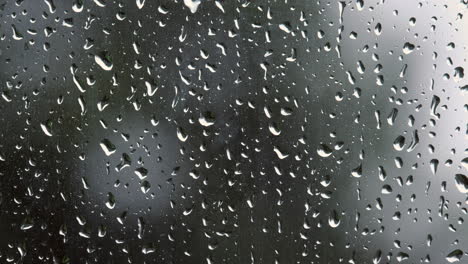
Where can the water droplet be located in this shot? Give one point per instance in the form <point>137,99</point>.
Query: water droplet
<point>408,48</point>
<point>46,128</point>
<point>285,27</point>
<point>207,119</point>
<point>110,200</point>
<point>454,256</point>
<point>399,143</point>
<point>357,172</point>
<point>334,219</point>
<point>461,183</point>
<point>141,172</point>
<point>274,130</point>
<point>181,134</point>
<point>192,5</point>
<point>104,62</point>
<point>324,151</point>
<point>108,147</point>
<point>140,3</point>
<point>434,164</point>
<point>279,153</point>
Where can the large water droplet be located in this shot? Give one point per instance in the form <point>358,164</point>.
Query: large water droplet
<point>462,183</point>
<point>324,150</point>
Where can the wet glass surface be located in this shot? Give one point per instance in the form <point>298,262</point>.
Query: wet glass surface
<point>233,131</point>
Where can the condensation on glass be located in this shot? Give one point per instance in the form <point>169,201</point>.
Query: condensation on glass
<point>209,131</point>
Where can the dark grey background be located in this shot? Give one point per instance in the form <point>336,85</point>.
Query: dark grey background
<point>337,185</point>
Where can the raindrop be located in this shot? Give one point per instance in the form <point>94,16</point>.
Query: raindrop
<point>107,147</point>
<point>103,61</point>
<point>324,151</point>
<point>181,134</point>
<point>207,119</point>
<point>461,183</point>
<point>408,48</point>
<point>357,172</point>
<point>110,201</point>
<point>434,164</point>
<point>399,143</point>
<point>46,128</point>
<point>454,256</point>
<point>334,219</point>
<point>192,5</point>
<point>273,128</point>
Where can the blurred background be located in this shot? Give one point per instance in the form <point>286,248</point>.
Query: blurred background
<point>233,131</point>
